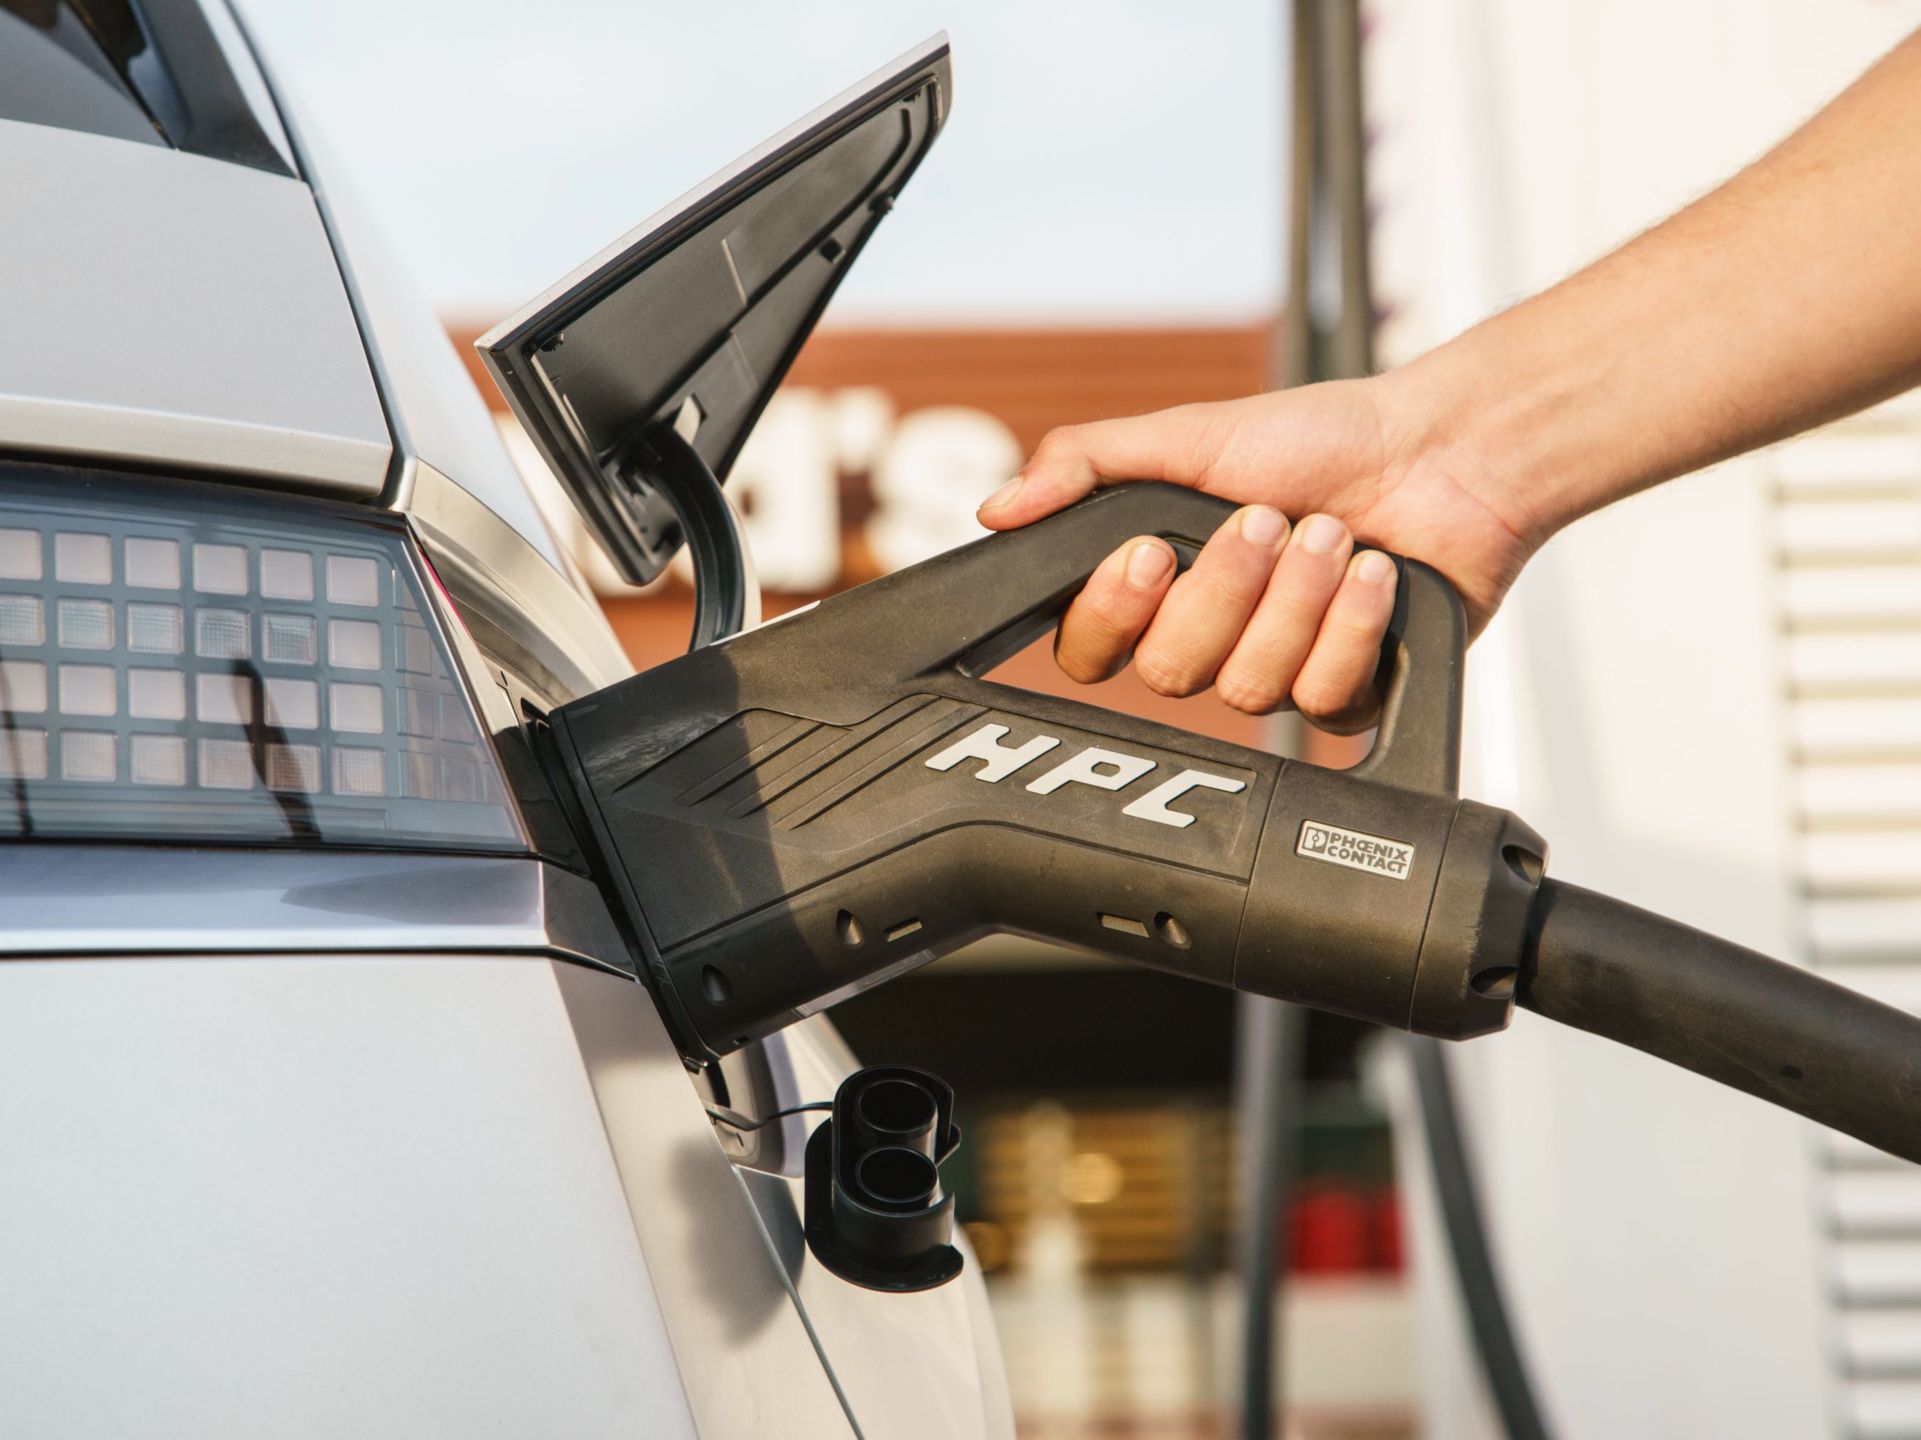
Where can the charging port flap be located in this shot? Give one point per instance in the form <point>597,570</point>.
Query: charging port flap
<point>683,327</point>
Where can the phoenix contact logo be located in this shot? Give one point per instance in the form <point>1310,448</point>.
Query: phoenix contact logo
<point>1373,853</point>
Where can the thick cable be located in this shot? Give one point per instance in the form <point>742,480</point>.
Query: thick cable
<point>1774,1030</point>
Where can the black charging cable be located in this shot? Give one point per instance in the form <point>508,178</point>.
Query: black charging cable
<point>734,1120</point>
<point>722,571</point>
<point>1490,1322</point>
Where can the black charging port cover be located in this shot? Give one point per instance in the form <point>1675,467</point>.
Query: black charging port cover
<point>876,1214</point>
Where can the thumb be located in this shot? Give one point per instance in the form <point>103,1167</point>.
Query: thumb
<point>1180,445</point>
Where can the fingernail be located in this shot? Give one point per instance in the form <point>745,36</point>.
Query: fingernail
<point>1373,568</point>
<point>1147,564</point>
<point>1262,524</point>
<point>1321,534</point>
<point>1004,494</point>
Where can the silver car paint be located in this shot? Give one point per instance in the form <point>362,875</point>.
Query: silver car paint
<point>502,1217</point>
<point>926,1365</point>
<point>166,309</point>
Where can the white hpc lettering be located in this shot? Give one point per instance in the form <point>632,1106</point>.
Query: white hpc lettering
<point>1094,767</point>
<point>1001,760</point>
<point>1153,805</point>
<point>1084,769</point>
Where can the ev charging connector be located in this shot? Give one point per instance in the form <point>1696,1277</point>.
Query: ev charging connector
<point>815,806</point>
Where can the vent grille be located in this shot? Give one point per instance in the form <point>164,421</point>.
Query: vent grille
<point>1848,507</point>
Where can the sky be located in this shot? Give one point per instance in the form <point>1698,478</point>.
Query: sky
<point>1105,160</point>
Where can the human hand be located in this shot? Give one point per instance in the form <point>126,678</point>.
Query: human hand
<point>1275,615</point>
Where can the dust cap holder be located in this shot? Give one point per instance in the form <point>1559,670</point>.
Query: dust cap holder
<point>876,1214</point>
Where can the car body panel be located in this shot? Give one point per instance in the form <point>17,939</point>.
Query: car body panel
<point>750,1365</point>
<point>244,1235</point>
<point>236,935</point>
<point>212,334</point>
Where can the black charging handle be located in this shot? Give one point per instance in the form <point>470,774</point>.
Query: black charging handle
<point>838,796</point>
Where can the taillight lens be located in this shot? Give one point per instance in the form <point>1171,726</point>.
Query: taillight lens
<point>190,661</point>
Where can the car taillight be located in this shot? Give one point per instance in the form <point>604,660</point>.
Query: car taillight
<point>191,661</point>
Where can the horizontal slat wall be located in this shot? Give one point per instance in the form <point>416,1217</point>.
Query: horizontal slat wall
<point>1849,550</point>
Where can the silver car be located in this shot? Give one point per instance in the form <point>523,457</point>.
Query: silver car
<point>330,1101</point>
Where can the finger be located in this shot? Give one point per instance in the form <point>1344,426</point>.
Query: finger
<point>1098,632</point>
<point>1259,676</point>
<point>1177,444</point>
<point>1205,609</point>
<point>1335,688</point>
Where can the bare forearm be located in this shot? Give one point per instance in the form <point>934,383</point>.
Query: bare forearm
<point>1789,296</point>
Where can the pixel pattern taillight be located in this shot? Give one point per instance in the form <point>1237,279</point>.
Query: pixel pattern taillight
<point>178,661</point>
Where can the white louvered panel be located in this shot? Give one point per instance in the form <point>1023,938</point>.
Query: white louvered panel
<point>1849,561</point>
<point>1860,728</point>
<point>1872,928</point>
<point>1826,660</point>
<point>1844,1152</point>
<point>1884,1343</point>
<point>1850,459</point>
<point>1866,595</point>
<point>1827,530</point>
<point>1883,1409</point>
<point>1877,1272</point>
<point>1873,1204</point>
<point>1844,861</point>
<point>1834,795</point>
